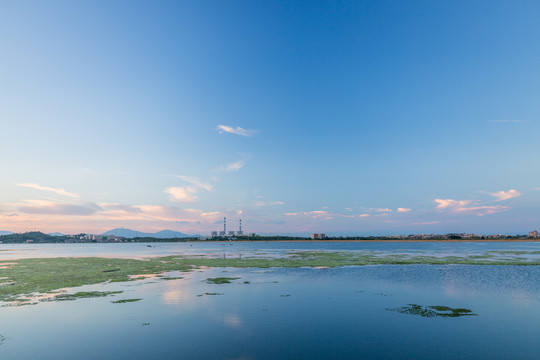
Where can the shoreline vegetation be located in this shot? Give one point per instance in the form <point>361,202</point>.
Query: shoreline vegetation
<point>39,237</point>
<point>23,279</point>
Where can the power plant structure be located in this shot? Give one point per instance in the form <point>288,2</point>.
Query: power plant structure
<point>240,232</point>
<point>230,233</point>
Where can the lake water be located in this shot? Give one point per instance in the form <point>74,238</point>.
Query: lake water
<point>305,313</point>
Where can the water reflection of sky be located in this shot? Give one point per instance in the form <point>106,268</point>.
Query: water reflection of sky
<point>268,249</point>
<point>290,313</point>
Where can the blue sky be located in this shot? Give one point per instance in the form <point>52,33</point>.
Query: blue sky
<point>347,118</point>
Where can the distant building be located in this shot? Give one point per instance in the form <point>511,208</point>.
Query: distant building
<point>534,234</point>
<point>230,233</point>
<point>104,238</point>
<point>318,236</point>
<point>214,233</point>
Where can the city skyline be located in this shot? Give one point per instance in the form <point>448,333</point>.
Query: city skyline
<point>296,117</point>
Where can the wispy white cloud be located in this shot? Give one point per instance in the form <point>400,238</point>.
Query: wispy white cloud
<point>314,213</point>
<point>120,207</point>
<point>320,214</point>
<point>271,203</point>
<point>58,191</point>
<point>505,195</point>
<point>235,166</point>
<point>426,223</point>
<point>47,207</point>
<point>402,210</point>
<point>237,130</point>
<point>196,182</point>
<point>181,194</point>
<point>202,213</point>
<point>385,210</point>
<point>467,207</point>
<point>451,203</point>
<point>483,210</point>
<point>317,213</point>
<point>187,193</point>
<point>364,215</point>
<point>259,204</point>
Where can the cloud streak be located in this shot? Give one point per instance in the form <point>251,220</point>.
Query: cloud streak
<point>237,130</point>
<point>196,182</point>
<point>58,191</point>
<point>467,207</point>
<point>185,194</point>
<point>45,207</point>
<point>505,195</point>
<point>234,166</point>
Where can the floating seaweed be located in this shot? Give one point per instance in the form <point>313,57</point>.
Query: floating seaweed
<point>221,280</point>
<point>433,311</point>
<point>84,294</point>
<point>207,293</point>
<point>123,301</point>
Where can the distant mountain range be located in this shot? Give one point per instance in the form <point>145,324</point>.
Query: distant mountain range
<point>5,232</point>
<point>164,234</point>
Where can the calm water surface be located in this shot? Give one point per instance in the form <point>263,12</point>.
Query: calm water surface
<point>286,313</point>
<point>17,251</point>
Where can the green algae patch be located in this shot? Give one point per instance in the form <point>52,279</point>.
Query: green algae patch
<point>221,280</point>
<point>123,301</point>
<point>84,295</point>
<point>433,311</point>
<point>31,276</point>
<point>171,278</point>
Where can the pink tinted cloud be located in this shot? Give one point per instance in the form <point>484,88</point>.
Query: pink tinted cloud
<point>467,207</point>
<point>505,195</point>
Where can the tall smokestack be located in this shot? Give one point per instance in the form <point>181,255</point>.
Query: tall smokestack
<point>225,225</point>
<point>240,226</point>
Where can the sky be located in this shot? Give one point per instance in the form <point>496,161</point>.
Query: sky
<point>340,117</point>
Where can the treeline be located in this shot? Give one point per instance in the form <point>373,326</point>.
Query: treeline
<point>32,236</point>
<point>39,237</point>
